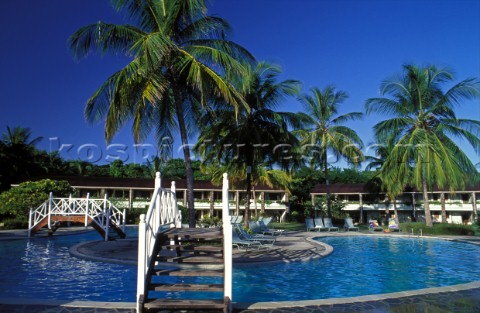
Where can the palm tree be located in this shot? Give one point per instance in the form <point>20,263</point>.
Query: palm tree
<point>181,59</point>
<point>425,124</point>
<point>19,158</point>
<point>20,136</point>
<point>393,187</point>
<point>327,132</point>
<point>271,178</point>
<point>244,140</point>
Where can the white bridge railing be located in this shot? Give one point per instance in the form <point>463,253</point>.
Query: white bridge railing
<point>162,214</point>
<point>227,242</point>
<point>100,211</point>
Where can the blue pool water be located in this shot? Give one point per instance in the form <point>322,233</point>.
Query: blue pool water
<point>43,268</point>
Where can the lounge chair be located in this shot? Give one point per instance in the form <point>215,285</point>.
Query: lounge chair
<point>393,226</point>
<point>266,220</point>
<point>236,219</point>
<point>263,239</point>
<point>244,244</point>
<point>327,222</point>
<point>373,225</point>
<point>319,224</point>
<point>260,228</point>
<point>309,224</point>
<point>349,225</point>
<point>269,231</point>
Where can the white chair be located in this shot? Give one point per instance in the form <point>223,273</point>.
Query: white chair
<point>319,224</point>
<point>349,225</point>
<point>327,221</point>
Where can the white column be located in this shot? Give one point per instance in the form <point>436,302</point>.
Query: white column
<point>50,203</point>
<point>178,219</point>
<point>124,219</point>
<point>227,240</point>
<point>158,186</point>
<point>104,211</point>
<point>30,223</point>
<point>107,223</point>
<point>130,198</point>
<point>237,203</point>
<point>141,261</point>
<point>87,209</point>
<point>474,207</point>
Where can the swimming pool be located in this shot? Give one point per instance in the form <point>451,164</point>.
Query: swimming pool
<point>43,268</point>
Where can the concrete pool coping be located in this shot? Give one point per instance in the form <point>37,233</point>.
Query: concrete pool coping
<point>311,250</point>
<point>240,306</point>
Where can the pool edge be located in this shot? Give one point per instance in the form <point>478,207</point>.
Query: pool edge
<point>367,298</point>
<point>253,305</point>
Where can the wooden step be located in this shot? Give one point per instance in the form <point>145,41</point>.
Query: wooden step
<point>188,248</point>
<point>195,259</point>
<point>185,304</point>
<point>180,272</point>
<point>198,253</point>
<point>203,235</point>
<point>186,287</point>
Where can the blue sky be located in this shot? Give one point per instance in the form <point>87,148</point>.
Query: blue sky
<point>352,44</point>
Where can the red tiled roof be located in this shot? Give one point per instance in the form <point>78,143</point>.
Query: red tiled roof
<point>341,188</point>
<point>141,183</point>
<point>365,188</point>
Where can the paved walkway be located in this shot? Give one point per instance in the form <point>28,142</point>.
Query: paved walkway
<point>295,246</point>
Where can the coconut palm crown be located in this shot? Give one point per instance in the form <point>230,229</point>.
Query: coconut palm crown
<point>326,132</point>
<point>425,126</point>
<point>244,141</point>
<point>181,60</point>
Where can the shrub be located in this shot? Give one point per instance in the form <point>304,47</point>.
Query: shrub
<point>438,229</point>
<point>17,201</point>
<point>133,215</point>
<point>295,216</point>
<point>19,222</point>
<point>210,221</point>
<point>184,211</point>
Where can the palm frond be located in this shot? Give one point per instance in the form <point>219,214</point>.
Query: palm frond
<point>102,37</point>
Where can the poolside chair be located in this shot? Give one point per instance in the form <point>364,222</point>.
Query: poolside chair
<point>373,225</point>
<point>349,225</point>
<point>319,224</point>
<point>392,225</point>
<point>266,220</point>
<point>244,244</point>
<point>262,239</point>
<point>236,219</point>
<point>269,231</point>
<point>327,222</point>
<point>309,224</point>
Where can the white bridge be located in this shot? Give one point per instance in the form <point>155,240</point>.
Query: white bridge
<point>101,214</point>
<point>166,250</point>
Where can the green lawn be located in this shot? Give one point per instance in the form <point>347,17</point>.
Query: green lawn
<point>437,229</point>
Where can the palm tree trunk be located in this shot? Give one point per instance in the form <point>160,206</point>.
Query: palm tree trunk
<point>255,207</point>
<point>247,198</point>
<point>327,183</point>
<point>442,204</point>
<point>426,205</point>
<point>212,204</point>
<point>249,161</point>
<point>188,160</point>
<point>395,211</point>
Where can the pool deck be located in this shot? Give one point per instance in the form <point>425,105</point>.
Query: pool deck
<point>292,247</point>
